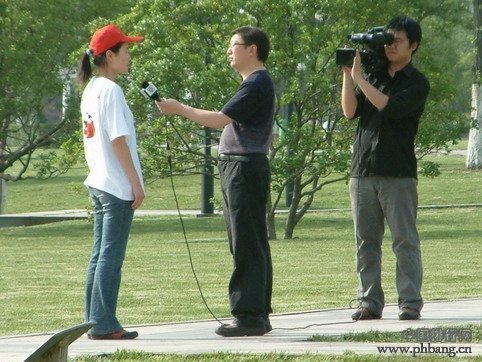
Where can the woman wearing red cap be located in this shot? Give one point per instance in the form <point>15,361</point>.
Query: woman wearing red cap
<point>115,179</point>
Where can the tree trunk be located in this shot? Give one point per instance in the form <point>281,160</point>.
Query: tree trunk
<point>291,220</point>
<point>474,148</point>
<point>3,195</point>
<point>270,219</point>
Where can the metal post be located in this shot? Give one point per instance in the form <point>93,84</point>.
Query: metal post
<point>286,113</point>
<point>207,177</point>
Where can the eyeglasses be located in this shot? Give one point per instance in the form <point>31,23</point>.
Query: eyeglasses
<point>234,44</point>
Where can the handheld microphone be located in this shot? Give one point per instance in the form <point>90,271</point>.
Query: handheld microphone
<point>149,91</point>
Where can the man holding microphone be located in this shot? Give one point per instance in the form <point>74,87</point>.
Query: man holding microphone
<point>247,120</point>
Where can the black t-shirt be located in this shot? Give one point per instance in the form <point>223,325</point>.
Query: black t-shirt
<point>252,112</point>
<point>385,140</point>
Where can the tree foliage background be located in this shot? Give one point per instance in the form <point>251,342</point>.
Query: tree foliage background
<point>36,41</point>
<point>184,54</point>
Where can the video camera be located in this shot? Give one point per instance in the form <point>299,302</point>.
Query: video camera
<point>372,51</point>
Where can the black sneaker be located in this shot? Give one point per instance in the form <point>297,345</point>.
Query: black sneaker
<point>240,328</point>
<point>122,334</point>
<point>363,314</point>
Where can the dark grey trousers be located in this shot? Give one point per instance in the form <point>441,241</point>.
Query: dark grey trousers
<point>245,187</point>
<point>375,199</point>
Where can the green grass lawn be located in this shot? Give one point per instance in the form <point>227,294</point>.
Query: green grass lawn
<point>456,185</point>
<point>43,268</point>
<point>42,271</point>
<point>130,356</point>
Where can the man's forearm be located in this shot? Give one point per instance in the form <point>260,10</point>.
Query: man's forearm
<point>205,118</point>
<point>377,98</point>
<point>348,98</point>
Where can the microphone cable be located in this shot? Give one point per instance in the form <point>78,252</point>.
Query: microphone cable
<point>322,324</point>
<point>171,177</point>
<point>149,91</point>
<point>191,263</point>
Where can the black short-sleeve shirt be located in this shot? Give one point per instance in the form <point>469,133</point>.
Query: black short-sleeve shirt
<point>385,140</point>
<point>252,112</point>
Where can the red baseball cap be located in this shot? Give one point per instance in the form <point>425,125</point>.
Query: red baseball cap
<point>108,36</point>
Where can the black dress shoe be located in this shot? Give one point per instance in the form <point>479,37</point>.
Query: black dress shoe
<point>267,323</point>
<point>363,314</point>
<point>408,314</point>
<point>239,328</point>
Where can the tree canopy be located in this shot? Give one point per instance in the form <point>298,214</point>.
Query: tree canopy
<point>184,54</point>
<point>37,39</point>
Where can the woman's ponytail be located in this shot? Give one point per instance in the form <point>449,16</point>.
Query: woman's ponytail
<point>84,71</point>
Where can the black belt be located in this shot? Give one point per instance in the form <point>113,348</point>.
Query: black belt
<point>225,157</point>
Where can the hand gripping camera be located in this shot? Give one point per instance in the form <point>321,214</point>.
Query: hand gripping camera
<point>372,50</point>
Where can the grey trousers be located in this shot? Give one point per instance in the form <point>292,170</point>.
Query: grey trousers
<point>373,200</point>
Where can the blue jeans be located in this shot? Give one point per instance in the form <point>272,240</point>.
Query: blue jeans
<point>112,224</point>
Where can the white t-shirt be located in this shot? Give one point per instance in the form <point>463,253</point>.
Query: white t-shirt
<point>106,116</point>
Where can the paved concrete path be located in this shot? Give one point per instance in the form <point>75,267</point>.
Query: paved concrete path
<point>44,217</point>
<point>199,337</point>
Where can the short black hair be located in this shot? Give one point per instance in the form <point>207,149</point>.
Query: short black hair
<point>253,35</point>
<point>409,25</point>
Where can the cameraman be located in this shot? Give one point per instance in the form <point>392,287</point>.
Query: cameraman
<point>383,183</point>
